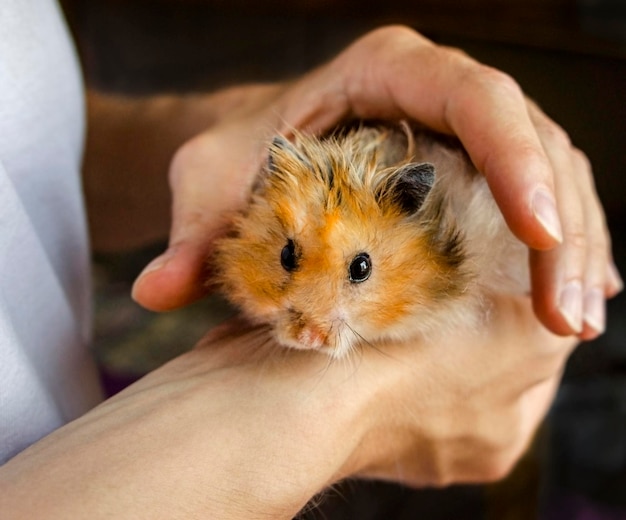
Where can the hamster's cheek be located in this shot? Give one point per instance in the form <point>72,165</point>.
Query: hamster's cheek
<point>378,314</point>
<point>258,290</point>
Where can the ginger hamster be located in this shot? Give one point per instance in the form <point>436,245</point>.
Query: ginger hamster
<point>372,233</point>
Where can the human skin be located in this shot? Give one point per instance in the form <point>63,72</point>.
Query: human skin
<point>459,411</point>
<point>242,428</point>
<point>542,183</point>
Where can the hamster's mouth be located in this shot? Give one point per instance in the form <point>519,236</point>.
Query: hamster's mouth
<point>313,338</point>
<point>305,339</point>
<point>310,337</point>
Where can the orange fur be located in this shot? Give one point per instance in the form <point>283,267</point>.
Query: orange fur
<point>333,198</point>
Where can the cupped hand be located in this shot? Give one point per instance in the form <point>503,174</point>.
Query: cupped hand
<point>542,183</point>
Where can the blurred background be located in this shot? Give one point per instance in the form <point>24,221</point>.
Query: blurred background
<point>570,56</point>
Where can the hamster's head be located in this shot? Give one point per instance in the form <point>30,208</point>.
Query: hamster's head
<point>338,248</point>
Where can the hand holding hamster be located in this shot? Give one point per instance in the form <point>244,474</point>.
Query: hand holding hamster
<point>542,184</point>
<point>232,431</point>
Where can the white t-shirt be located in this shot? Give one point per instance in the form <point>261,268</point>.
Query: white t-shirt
<point>47,376</point>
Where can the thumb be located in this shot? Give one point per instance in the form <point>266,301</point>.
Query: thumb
<point>207,186</point>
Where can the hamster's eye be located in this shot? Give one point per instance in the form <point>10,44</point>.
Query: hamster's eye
<point>360,268</point>
<point>288,256</point>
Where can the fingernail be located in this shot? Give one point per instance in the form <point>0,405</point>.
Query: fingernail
<point>615,278</point>
<point>158,263</point>
<point>544,209</point>
<point>595,313</point>
<point>571,304</point>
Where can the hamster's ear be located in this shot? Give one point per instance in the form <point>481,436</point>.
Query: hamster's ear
<point>408,186</point>
<point>283,151</point>
<point>279,143</point>
<point>280,153</point>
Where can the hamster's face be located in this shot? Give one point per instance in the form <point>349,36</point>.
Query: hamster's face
<point>329,256</point>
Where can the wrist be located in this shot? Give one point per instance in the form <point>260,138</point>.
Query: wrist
<point>306,420</point>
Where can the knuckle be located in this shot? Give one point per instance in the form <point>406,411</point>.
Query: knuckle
<point>576,239</point>
<point>395,31</point>
<point>554,135</point>
<point>392,34</point>
<point>443,480</point>
<point>178,163</point>
<point>598,242</point>
<point>191,156</point>
<point>503,457</point>
<point>581,161</point>
<point>499,468</point>
<point>494,454</point>
<point>496,80</point>
<point>454,53</point>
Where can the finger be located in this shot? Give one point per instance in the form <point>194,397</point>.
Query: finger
<point>207,184</point>
<point>569,282</point>
<point>598,252</point>
<point>405,75</point>
<point>172,280</point>
<point>615,284</point>
<point>505,147</point>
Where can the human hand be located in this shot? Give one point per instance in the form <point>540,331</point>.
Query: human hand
<point>542,184</point>
<point>242,428</point>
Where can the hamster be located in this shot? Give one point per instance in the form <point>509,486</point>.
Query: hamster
<point>368,234</point>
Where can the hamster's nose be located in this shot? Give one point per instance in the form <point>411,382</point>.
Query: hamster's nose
<point>312,337</point>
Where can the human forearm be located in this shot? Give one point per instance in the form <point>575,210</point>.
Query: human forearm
<point>239,428</point>
<point>218,433</point>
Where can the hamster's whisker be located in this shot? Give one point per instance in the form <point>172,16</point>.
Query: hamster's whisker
<point>352,345</point>
<point>321,374</point>
<point>363,342</point>
<point>350,361</point>
<point>330,361</point>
